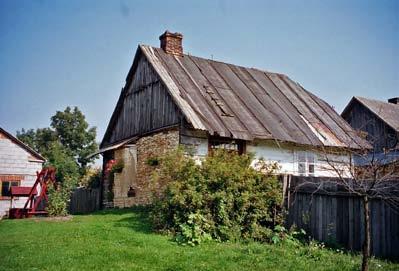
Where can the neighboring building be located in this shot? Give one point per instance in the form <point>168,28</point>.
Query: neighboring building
<point>378,121</point>
<point>18,166</point>
<point>172,99</point>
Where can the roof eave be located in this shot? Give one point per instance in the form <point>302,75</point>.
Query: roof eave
<point>23,145</point>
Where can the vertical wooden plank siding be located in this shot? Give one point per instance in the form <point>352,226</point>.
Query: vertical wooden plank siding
<point>147,105</point>
<point>84,201</point>
<point>378,132</point>
<point>338,219</point>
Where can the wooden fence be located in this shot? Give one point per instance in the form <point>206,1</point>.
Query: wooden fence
<point>84,201</point>
<point>338,219</point>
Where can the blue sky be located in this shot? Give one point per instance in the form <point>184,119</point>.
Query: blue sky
<point>59,53</point>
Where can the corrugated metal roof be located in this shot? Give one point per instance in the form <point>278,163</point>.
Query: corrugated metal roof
<point>247,103</point>
<point>387,112</point>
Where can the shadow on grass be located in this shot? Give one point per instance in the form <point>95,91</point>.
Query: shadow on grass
<point>139,221</point>
<point>135,218</point>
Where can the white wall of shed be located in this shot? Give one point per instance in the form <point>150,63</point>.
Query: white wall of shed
<point>15,160</point>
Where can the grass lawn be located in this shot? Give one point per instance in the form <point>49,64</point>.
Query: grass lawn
<point>122,240</point>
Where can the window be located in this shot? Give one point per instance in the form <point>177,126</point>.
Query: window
<point>302,163</point>
<point>306,163</point>
<point>5,186</point>
<point>311,169</point>
<point>311,163</point>
<point>226,144</point>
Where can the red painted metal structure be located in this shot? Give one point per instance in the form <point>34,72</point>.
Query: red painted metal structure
<point>36,195</point>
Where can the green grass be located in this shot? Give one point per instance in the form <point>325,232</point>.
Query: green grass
<point>122,240</point>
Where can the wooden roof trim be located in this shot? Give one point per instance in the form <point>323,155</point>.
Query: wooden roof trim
<point>186,109</point>
<point>184,94</point>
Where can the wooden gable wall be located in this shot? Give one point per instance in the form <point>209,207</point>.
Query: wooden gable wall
<point>146,106</point>
<point>379,134</point>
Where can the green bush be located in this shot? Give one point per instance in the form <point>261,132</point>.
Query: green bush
<point>91,178</point>
<point>117,167</point>
<point>59,196</point>
<point>224,197</point>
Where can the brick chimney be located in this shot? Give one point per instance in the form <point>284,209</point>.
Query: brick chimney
<point>171,43</point>
<point>394,100</point>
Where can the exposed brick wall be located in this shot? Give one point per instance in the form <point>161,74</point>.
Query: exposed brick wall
<point>171,43</point>
<point>11,178</point>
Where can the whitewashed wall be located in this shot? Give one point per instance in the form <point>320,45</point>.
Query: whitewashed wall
<point>14,160</point>
<point>197,146</point>
<point>287,156</point>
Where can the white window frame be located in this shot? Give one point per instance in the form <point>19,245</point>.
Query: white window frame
<point>306,160</point>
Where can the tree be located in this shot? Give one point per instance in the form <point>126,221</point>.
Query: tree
<point>66,144</point>
<point>58,157</point>
<point>74,134</point>
<point>39,140</point>
<point>367,174</point>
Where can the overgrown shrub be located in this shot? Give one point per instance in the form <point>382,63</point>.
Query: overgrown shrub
<point>59,196</point>
<point>113,166</point>
<point>91,178</point>
<point>117,167</point>
<point>224,197</point>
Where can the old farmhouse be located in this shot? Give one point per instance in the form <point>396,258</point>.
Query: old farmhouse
<point>171,98</point>
<point>18,166</point>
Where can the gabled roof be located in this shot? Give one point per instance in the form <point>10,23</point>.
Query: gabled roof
<point>22,145</point>
<point>387,112</point>
<point>247,103</point>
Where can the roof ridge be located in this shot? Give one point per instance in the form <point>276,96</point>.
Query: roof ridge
<point>374,100</point>
<point>223,62</point>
